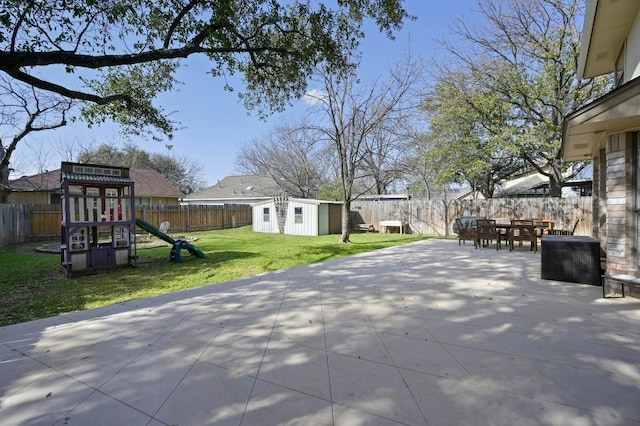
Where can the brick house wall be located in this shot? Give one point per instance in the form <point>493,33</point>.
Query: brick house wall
<point>613,207</point>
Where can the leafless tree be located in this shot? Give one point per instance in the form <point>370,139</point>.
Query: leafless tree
<point>383,159</point>
<point>350,115</point>
<point>290,155</point>
<point>25,110</point>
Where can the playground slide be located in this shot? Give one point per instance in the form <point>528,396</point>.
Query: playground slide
<point>177,244</point>
<point>154,231</point>
<point>193,249</point>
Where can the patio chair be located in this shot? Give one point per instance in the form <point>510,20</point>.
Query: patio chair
<point>523,230</point>
<point>486,232</point>
<point>466,231</point>
<point>564,231</point>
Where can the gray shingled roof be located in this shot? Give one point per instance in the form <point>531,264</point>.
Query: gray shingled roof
<point>47,181</point>
<point>239,187</point>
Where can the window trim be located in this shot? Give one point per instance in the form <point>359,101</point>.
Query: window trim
<point>297,217</point>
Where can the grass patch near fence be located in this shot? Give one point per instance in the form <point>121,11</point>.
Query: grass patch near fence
<point>33,285</point>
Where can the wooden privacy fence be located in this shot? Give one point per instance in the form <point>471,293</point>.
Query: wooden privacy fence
<point>436,217</point>
<point>21,223</point>
<point>197,218</point>
<point>14,224</point>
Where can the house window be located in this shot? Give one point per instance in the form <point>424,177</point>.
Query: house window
<point>54,198</point>
<point>297,214</point>
<point>265,215</point>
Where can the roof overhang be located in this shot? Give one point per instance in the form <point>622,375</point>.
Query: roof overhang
<point>616,112</point>
<point>606,26</point>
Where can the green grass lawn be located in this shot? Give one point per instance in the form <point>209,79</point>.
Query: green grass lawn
<point>33,285</point>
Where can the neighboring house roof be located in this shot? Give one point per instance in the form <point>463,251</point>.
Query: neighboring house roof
<point>153,184</point>
<point>47,181</point>
<point>536,184</point>
<point>530,185</point>
<point>238,188</point>
<point>147,182</point>
<point>461,194</point>
<point>383,197</point>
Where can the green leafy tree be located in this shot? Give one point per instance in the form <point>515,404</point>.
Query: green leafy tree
<point>115,57</point>
<point>470,134</point>
<point>422,169</point>
<point>526,53</point>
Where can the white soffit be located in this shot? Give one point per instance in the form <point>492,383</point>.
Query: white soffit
<point>616,112</point>
<point>607,24</point>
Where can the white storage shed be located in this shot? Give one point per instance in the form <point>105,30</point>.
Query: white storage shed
<point>301,216</point>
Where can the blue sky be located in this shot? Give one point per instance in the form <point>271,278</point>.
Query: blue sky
<point>215,122</point>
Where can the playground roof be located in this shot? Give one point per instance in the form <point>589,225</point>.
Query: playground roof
<point>88,178</point>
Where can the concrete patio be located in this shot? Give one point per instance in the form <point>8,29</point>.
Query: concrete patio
<point>425,333</point>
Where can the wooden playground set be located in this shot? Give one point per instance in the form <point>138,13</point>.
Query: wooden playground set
<point>99,223</point>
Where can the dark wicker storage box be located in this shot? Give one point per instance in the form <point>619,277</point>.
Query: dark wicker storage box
<point>570,258</point>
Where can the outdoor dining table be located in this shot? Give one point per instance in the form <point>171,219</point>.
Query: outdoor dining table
<point>506,231</point>
<point>543,227</point>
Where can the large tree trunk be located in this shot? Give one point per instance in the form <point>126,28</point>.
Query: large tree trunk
<point>346,209</point>
<point>555,188</point>
<point>4,183</point>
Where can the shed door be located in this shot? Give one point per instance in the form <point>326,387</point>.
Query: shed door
<point>335,222</point>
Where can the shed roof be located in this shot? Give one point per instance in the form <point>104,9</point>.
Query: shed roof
<point>311,201</point>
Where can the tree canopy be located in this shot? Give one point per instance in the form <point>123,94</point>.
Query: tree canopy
<point>134,46</point>
<point>471,138</point>
<point>112,58</point>
<point>523,59</point>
